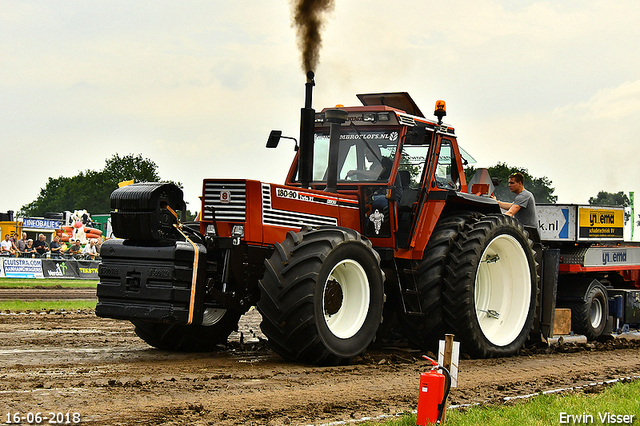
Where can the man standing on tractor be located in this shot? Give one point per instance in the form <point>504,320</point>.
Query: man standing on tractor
<point>523,207</point>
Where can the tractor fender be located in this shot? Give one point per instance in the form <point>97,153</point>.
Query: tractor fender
<point>461,201</point>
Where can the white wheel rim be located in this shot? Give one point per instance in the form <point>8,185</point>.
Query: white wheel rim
<point>345,317</point>
<point>595,314</point>
<point>211,316</point>
<point>503,290</point>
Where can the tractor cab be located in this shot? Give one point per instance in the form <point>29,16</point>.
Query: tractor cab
<point>390,159</point>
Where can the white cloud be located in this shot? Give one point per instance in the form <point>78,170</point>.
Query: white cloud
<point>611,104</point>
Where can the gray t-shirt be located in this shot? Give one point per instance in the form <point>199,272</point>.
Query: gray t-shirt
<point>527,213</point>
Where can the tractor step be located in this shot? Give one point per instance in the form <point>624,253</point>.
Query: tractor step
<point>409,293</point>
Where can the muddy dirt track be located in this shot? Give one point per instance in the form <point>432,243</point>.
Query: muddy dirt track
<point>48,293</point>
<point>76,362</point>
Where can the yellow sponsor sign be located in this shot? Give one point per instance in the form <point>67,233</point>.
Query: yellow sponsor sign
<point>11,228</point>
<point>599,223</point>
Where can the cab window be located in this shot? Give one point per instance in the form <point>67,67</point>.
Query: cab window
<point>320,156</point>
<point>412,164</point>
<point>367,155</point>
<point>446,170</point>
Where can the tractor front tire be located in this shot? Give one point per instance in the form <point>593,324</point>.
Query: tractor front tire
<point>322,296</point>
<point>491,287</point>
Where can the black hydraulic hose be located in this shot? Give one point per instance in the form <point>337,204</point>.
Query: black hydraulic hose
<point>446,393</point>
<point>447,386</point>
<point>195,235</point>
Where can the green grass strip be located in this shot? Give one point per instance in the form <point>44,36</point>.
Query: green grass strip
<point>46,282</point>
<point>46,305</point>
<point>622,399</point>
<point>608,407</point>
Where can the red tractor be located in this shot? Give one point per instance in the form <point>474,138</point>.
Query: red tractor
<point>374,222</point>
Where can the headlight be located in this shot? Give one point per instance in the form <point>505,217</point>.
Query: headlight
<point>369,116</point>
<point>237,231</point>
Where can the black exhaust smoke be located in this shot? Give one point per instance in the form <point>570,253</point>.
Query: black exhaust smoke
<point>308,20</point>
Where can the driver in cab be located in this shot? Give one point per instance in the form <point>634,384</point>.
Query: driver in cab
<point>379,169</point>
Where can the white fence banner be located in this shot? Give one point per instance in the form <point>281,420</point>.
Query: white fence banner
<point>17,267</point>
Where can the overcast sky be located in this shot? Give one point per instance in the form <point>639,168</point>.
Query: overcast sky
<point>196,86</point>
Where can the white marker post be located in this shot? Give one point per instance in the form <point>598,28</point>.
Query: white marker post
<point>450,363</point>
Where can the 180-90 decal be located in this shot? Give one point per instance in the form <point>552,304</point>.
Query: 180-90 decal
<point>297,195</point>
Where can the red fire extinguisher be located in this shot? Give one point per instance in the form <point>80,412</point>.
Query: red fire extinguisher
<point>434,389</point>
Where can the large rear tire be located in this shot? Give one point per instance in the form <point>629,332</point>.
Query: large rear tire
<point>190,338</point>
<point>491,286</point>
<point>322,296</point>
<point>425,331</point>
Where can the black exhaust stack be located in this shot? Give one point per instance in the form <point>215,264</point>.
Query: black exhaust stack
<point>307,125</point>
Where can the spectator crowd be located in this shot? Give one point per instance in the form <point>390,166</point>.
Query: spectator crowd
<point>23,247</point>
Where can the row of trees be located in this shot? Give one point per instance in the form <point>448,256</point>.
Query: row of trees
<point>610,199</point>
<point>543,191</point>
<point>540,187</point>
<point>91,189</point>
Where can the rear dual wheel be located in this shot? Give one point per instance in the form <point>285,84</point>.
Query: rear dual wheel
<point>490,288</point>
<point>426,330</point>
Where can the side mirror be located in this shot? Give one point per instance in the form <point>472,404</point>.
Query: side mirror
<point>274,138</point>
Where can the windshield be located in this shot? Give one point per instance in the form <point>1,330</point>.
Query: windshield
<point>412,164</point>
<point>364,155</point>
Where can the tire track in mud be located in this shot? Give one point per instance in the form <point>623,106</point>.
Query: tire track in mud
<point>48,293</point>
<point>77,362</point>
